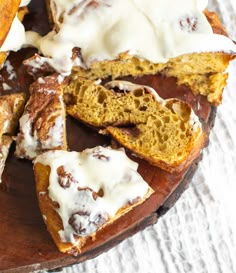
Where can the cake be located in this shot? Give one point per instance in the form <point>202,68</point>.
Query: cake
<point>11,107</point>
<point>94,40</point>
<point>166,133</point>
<point>42,125</point>
<point>81,193</point>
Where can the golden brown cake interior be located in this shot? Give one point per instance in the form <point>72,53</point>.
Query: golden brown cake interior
<point>164,132</point>
<point>198,71</point>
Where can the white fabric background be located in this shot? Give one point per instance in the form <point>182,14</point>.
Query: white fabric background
<point>198,235</point>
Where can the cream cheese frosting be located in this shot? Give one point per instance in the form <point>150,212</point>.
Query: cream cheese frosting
<point>29,144</point>
<point>41,128</point>
<point>77,179</point>
<point>24,3</point>
<point>16,37</point>
<point>128,86</point>
<point>148,29</point>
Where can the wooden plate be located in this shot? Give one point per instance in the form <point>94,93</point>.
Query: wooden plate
<point>25,243</point>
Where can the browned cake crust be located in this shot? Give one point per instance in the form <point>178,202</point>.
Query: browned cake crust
<point>215,22</point>
<point>48,207</point>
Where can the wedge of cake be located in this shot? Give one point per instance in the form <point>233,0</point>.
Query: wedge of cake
<point>166,133</point>
<point>100,39</point>
<point>42,125</point>
<point>11,107</point>
<point>81,193</point>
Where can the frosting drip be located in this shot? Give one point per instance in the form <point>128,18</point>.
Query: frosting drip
<point>16,37</point>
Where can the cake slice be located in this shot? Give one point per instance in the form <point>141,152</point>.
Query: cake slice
<point>117,103</point>
<point>42,125</point>
<point>11,107</point>
<point>172,149</point>
<point>81,193</point>
<point>166,133</point>
<point>189,44</point>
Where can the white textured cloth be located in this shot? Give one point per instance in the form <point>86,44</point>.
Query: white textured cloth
<point>198,235</point>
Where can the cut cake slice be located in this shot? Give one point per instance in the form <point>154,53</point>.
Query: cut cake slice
<point>81,193</point>
<point>166,133</point>
<point>43,124</point>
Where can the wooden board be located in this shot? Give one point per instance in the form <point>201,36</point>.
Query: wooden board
<point>25,244</point>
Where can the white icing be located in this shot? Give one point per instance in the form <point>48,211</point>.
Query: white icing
<point>194,122</point>
<point>6,125</point>
<point>16,35</point>
<point>46,91</point>
<point>202,4</point>
<point>4,150</point>
<point>32,38</point>
<point>128,86</point>
<point>15,38</point>
<point>36,63</point>
<point>98,81</point>
<point>149,29</point>
<point>42,193</point>
<point>96,168</point>
<point>41,80</point>
<point>62,62</point>
<point>10,70</point>
<point>54,136</point>
<point>6,86</point>
<point>60,79</point>
<point>29,144</point>
<point>24,3</point>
